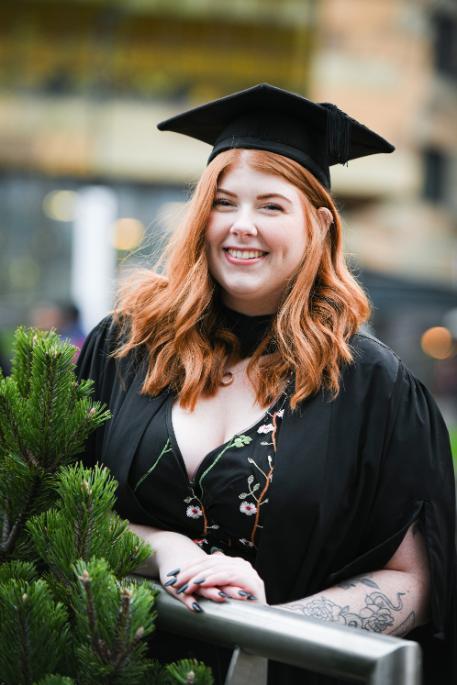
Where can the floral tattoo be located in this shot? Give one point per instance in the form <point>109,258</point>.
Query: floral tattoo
<point>377,614</point>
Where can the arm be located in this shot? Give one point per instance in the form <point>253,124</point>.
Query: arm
<point>393,600</point>
<point>167,547</point>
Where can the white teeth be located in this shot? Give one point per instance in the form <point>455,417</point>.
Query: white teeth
<point>245,254</point>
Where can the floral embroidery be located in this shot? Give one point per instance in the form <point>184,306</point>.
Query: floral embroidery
<point>265,479</point>
<point>246,543</point>
<point>200,541</point>
<point>193,511</point>
<point>166,448</point>
<point>258,482</point>
<point>265,428</point>
<point>237,441</point>
<point>248,508</point>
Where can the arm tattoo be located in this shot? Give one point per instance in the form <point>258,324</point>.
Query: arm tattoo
<point>352,582</point>
<point>407,626</point>
<point>377,614</point>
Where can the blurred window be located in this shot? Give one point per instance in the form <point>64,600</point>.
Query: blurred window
<point>36,235</point>
<point>445,44</point>
<point>436,166</point>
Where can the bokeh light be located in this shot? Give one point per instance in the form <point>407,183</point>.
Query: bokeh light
<point>128,233</point>
<point>60,205</point>
<point>437,342</point>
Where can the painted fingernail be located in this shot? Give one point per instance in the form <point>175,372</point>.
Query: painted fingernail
<point>252,597</point>
<point>242,593</point>
<point>223,594</point>
<point>172,581</point>
<point>183,588</point>
<point>199,581</point>
<point>196,607</point>
<point>174,572</point>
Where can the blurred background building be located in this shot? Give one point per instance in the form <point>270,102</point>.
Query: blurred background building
<point>89,187</point>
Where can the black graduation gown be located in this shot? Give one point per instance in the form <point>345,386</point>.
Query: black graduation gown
<point>351,475</point>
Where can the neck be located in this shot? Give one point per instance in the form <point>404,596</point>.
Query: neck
<point>250,329</point>
<point>249,308</point>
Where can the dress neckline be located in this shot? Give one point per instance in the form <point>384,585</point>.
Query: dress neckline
<point>203,463</point>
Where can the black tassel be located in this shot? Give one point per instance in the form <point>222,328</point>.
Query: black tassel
<point>338,134</point>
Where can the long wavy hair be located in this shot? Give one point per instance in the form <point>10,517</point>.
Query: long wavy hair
<point>175,315</point>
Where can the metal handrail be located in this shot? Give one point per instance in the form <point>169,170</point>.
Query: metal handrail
<point>280,635</point>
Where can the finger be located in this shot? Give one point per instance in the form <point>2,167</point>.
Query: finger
<point>237,592</point>
<point>189,601</point>
<point>215,594</point>
<point>196,587</point>
<point>244,584</point>
<point>199,573</point>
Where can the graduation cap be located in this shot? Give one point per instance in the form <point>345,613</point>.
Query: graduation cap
<point>264,117</point>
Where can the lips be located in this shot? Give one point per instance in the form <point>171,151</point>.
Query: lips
<point>244,253</point>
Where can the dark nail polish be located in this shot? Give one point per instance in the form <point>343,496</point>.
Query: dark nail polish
<point>199,581</point>
<point>172,581</point>
<point>222,594</point>
<point>183,588</point>
<point>174,573</point>
<point>252,597</point>
<point>196,607</point>
<point>242,593</point>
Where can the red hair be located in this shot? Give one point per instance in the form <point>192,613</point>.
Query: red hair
<point>175,316</point>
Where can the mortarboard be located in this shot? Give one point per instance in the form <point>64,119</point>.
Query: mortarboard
<point>316,135</point>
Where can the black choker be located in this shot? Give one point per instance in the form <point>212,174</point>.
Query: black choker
<point>250,330</point>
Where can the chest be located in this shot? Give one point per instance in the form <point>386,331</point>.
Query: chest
<point>215,420</point>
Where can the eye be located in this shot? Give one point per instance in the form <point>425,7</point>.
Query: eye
<point>221,202</point>
<point>273,207</point>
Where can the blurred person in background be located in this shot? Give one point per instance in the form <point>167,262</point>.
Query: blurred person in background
<point>5,366</point>
<point>267,449</point>
<point>64,318</point>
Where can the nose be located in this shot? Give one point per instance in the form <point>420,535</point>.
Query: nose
<point>243,224</point>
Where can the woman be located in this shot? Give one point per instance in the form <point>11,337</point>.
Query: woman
<point>266,448</point>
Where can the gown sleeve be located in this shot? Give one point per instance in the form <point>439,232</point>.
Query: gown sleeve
<point>416,481</point>
<point>94,363</point>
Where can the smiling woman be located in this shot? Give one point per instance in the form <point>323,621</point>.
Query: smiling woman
<point>253,245</point>
<point>267,448</point>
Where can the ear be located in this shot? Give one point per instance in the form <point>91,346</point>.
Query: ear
<point>325,219</point>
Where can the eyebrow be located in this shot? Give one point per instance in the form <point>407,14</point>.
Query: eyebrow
<point>265,196</point>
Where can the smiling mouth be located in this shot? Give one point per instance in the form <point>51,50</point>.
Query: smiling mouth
<point>244,254</point>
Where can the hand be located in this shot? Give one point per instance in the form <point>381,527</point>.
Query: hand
<point>216,577</point>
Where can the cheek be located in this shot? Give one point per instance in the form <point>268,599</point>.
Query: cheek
<point>213,233</point>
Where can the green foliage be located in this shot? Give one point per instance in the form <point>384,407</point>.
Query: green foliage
<point>19,570</point>
<point>45,419</point>
<point>56,680</point>
<point>453,436</point>
<point>33,631</point>
<point>67,614</point>
<point>187,672</point>
<point>83,526</point>
<point>112,619</point>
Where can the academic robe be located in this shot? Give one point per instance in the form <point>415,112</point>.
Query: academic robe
<point>352,473</point>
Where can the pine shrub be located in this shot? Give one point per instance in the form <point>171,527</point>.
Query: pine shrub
<point>69,613</point>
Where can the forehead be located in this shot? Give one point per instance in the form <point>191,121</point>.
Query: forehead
<point>242,176</point>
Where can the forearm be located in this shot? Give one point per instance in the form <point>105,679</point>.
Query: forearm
<point>164,545</point>
<point>385,601</point>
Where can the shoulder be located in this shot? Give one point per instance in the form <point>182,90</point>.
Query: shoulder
<point>375,367</point>
<point>107,335</point>
<point>369,353</point>
<point>106,331</point>
<point>100,344</point>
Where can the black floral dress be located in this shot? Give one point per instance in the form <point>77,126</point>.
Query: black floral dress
<point>221,507</point>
